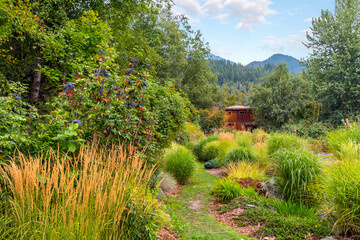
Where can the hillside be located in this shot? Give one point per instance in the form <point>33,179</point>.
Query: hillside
<point>292,62</point>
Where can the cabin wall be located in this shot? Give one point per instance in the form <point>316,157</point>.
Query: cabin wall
<point>236,119</point>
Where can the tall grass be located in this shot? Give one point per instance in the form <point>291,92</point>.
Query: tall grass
<point>286,209</point>
<point>98,195</point>
<point>279,141</point>
<point>180,163</point>
<point>260,137</point>
<point>336,138</point>
<point>245,170</point>
<point>341,190</point>
<point>239,154</point>
<point>244,139</point>
<point>349,151</point>
<point>227,189</point>
<point>297,170</point>
<point>199,147</point>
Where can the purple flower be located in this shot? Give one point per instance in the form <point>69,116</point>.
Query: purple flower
<point>17,96</point>
<point>77,121</point>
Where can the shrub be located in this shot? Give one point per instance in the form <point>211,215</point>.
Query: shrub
<point>285,141</point>
<point>180,163</point>
<point>340,187</point>
<point>100,195</point>
<point>306,130</point>
<point>199,147</point>
<point>349,151</point>
<point>211,164</point>
<point>190,133</point>
<point>211,119</point>
<point>245,170</point>
<point>227,189</point>
<point>239,154</point>
<point>296,170</point>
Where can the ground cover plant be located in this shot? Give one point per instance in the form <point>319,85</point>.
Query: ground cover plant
<point>100,194</point>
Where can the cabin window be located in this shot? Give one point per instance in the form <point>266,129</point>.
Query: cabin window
<point>229,112</point>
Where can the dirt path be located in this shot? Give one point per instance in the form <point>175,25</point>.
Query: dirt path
<point>192,213</point>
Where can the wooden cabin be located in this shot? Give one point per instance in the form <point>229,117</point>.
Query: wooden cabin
<point>240,118</point>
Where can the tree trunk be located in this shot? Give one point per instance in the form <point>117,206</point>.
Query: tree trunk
<point>35,88</point>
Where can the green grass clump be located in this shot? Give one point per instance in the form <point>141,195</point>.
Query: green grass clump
<point>349,151</point>
<point>199,147</point>
<point>227,189</point>
<point>239,154</point>
<point>297,170</point>
<point>343,135</point>
<point>244,139</point>
<point>180,163</point>
<point>341,190</point>
<point>211,150</point>
<point>260,137</point>
<point>285,141</point>
<point>286,208</point>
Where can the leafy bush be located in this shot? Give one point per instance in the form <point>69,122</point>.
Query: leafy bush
<point>286,208</point>
<point>199,147</point>
<point>340,187</point>
<point>190,133</point>
<point>239,154</point>
<point>297,170</point>
<point>16,116</point>
<point>285,141</point>
<point>180,163</point>
<point>101,195</point>
<point>306,130</point>
<point>211,119</point>
<point>227,189</point>
<point>245,170</point>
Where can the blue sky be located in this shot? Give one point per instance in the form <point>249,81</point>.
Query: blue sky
<point>253,30</point>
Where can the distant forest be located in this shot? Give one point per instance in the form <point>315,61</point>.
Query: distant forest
<point>236,76</point>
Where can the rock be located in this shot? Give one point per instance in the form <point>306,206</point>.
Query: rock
<point>161,192</point>
<point>328,238</point>
<point>250,205</point>
<point>272,190</point>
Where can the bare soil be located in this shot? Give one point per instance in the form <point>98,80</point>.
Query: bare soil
<point>217,172</point>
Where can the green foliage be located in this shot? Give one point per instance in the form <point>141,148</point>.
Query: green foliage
<point>211,164</point>
<point>211,150</point>
<point>259,136</point>
<point>180,163</point>
<point>199,147</point>
<point>244,139</point>
<point>227,189</point>
<point>306,130</point>
<point>283,225</point>
<point>236,76</point>
<point>287,208</point>
<point>279,141</point>
<point>283,98</point>
<point>239,154</point>
<point>340,187</point>
<point>297,171</point>
<point>333,65</point>
<point>343,135</point>
<point>211,119</point>
<point>16,115</point>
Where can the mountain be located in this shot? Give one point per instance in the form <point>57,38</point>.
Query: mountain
<point>217,58</point>
<point>292,63</point>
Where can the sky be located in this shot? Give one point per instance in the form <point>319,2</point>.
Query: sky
<point>252,30</point>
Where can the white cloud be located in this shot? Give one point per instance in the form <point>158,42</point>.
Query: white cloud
<point>248,13</point>
<point>276,44</point>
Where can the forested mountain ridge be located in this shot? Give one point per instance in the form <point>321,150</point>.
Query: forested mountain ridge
<point>292,63</point>
<point>236,75</point>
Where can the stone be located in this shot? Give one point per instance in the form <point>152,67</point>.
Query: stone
<point>328,238</point>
